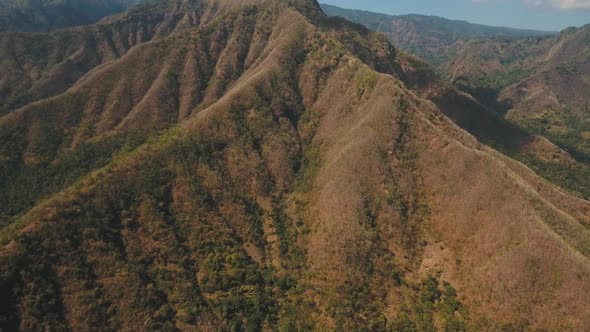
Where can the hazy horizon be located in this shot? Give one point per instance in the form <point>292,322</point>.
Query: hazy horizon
<point>547,15</point>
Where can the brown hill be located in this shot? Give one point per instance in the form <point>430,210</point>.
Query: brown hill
<point>38,65</point>
<point>485,61</point>
<point>272,169</point>
<point>541,85</point>
<point>543,81</point>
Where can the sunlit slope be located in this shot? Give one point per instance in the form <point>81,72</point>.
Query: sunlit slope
<point>272,169</point>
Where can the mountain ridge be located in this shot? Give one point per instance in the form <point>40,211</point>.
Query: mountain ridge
<point>271,170</point>
<point>520,78</point>
<point>433,38</point>
<point>496,30</point>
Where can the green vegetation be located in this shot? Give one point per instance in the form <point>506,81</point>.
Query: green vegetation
<point>564,128</point>
<point>189,184</point>
<point>145,206</point>
<point>311,162</point>
<point>25,185</point>
<point>434,302</point>
<point>367,83</point>
<point>499,80</point>
<point>574,176</point>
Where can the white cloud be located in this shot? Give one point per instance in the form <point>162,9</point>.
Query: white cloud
<point>551,4</point>
<point>559,4</point>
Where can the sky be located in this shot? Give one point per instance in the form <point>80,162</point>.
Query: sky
<point>549,15</point>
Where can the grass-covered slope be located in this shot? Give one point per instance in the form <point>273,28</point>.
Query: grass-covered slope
<point>272,170</point>
<point>40,65</point>
<point>542,86</point>
<point>537,81</point>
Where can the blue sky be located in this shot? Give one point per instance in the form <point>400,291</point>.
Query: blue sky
<point>529,14</point>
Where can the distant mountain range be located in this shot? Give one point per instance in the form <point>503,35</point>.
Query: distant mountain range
<point>537,80</point>
<point>435,39</point>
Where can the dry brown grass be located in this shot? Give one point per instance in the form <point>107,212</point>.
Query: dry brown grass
<point>367,181</point>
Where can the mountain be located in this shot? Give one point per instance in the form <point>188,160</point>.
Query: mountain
<point>546,79</point>
<point>540,84</point>
<point>536,80</point>
<point>258,166</point>
<point>46,15</point>
<point>39,65</point>
<point>434,39</point>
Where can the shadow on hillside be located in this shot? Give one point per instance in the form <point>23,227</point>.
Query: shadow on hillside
<point>487,126</point>
<point>9,318</point>
<point>491,129</point>
<point>487,96</point>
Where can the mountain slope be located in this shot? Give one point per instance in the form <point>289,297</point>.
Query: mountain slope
<point>42,65</point>
<point>46,15</point>
<point>540,85</point>
<point>537,81</point>
<point>555,70</point>
<point>435,39</point>
<point>277,169</point>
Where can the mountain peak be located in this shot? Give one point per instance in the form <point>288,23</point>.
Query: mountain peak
<point>310,8</point>
<point>307,6</point>
<point>250,165</point>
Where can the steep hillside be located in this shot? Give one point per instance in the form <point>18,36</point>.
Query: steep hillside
<point>434,39</point>
<point>540,84</point>
<point>46,15</point>
<point>535,80</point>
<point>40,65</point>
<point>533,75</point>
<point>270,168</point>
